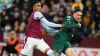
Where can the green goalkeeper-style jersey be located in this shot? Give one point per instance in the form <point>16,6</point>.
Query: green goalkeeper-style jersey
<point>67,32</point>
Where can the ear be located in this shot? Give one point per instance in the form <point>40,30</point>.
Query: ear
<point>33,7</point>
<point>74,13</point>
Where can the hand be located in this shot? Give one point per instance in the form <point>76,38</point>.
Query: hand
<point>79,25</point>
<point>62,25</point>
<point>61,29</point>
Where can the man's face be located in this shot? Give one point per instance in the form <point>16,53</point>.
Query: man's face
<point>78,16</point>
<point>37,7</point>
<point>12,36</point>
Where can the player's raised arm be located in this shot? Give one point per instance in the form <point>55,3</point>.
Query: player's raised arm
<point>39,16</point>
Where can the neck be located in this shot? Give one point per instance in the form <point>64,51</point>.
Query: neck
<point>34,10</point>
<point>73,18</point>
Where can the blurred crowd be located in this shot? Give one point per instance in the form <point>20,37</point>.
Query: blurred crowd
<point>16,17</point>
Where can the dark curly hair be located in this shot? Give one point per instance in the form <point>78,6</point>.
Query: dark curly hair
<point>36,1</point>
<point>77,9</point>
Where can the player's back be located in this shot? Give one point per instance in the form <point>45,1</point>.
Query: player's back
<point>34,28</point>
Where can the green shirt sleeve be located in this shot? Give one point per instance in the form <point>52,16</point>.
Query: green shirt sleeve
<point>68,23</point>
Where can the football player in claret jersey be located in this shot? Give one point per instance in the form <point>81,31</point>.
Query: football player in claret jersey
<point>33,35</point>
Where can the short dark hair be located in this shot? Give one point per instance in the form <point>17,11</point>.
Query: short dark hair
<point>77,9</point>
<point>36,1</point>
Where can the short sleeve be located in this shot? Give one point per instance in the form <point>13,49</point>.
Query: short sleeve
<point>38,15</point>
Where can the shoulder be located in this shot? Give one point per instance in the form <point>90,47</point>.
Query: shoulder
<point>38,14</point>
<point>68,17</point>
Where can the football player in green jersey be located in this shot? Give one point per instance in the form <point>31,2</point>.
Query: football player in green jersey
<point>62,42</point>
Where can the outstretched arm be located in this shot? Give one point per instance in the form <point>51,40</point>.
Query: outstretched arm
<point>69,25</point>
<point>45,27</point>
<point>39,16</point>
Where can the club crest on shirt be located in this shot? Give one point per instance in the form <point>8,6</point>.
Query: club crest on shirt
<point>68,18</point>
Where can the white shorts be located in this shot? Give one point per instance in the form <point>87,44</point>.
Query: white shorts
<point>32,43</point>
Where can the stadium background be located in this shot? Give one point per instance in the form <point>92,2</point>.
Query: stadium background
<point>14,15</point>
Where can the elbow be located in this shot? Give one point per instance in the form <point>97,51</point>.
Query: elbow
<point>47,30</point>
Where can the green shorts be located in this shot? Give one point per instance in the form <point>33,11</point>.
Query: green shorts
<point>60,47</point>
